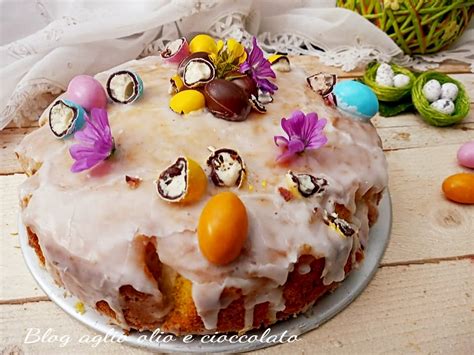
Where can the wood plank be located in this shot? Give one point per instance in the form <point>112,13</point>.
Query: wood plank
<point>425,224</point>
<point>9,139</point>
<point>405,309</point>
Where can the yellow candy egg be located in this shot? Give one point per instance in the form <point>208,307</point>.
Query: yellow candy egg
<point>197,182</point>
<point>203,43</point>
<point>223,228</point>
<point>187,101</point>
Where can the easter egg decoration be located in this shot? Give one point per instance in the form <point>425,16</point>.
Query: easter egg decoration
<point>65,118</point>
<point>449,91</point>
<point>401,80</point>
<point>222,228</point>
<point>466,155</point>
<point>184,181</point>
<point>124,87</point>
<point>356,100</point>
<point>86,92</point>
<point>175,51</point>
<point>203,43</point>
<point>460,188</point>
<point>187,101</point>
<point>444,106</point>
<point>432,90</point>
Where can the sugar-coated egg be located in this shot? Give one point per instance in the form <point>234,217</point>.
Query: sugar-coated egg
<point>444,106</point>
<point>401,80</point>
<point>466,155</point>
<point>223,228</point>
<point>87,92</point>
<point>460,188</point>
<point>432,90</point>
<point>449,91</point>
<point>356,99</point>
<point>384,80</point>
<point>187,101</point>
<point>385,69</point>
<point>203,43</point>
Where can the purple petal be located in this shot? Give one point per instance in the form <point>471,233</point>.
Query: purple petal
<point>280,141</point>
<point>295,146</point>
<point>321,124</point>
<point>317,142</point>
<point>84,164</point>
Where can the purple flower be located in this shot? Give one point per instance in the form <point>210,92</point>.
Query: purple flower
<point>304,132</point>
<point>259,69</point>
<point>95,142</point>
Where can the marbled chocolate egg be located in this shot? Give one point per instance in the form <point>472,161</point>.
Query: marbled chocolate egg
<point>466,155</point>
<point>226,100</point>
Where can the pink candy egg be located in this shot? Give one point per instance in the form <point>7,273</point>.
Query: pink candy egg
<point>466,155</point>
<point>86,91</point>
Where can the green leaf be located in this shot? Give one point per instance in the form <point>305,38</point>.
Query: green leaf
<point>389,109</point>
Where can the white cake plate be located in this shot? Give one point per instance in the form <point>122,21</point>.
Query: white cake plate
<point>326,307</point>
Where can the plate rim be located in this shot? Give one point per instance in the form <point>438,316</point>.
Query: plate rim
<point>361,277</point>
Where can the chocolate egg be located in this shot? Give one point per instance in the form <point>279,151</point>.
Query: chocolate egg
<point>226,100</point>
<point>247,84</point>
<point>185,61</point>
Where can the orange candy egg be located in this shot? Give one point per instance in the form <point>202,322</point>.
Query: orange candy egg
<point>460,188</point>
<point>223,228</point>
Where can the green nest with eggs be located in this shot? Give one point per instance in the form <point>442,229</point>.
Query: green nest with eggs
<point>428,113</point>
<point>388,93</point>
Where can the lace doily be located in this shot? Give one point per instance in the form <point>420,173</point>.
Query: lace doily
<point>37,68</point>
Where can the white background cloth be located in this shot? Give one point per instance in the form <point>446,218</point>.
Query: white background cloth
<point>46,43</point>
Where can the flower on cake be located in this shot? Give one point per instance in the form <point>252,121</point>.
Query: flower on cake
<point>259,68</point>
<point>96,143</point>
<point>305,132</point>
<point>228,56</point>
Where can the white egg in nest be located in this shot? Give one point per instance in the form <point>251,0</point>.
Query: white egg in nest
<point>384,80</point>
<point>444,106</point>
<point>432,90</point>
<point>449,91</point>
<point>401,80</point>
<point>385,69</point>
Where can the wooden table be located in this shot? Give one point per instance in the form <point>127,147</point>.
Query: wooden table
<point>420,301</point>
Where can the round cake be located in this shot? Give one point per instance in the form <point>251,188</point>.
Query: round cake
<point>259,241</point>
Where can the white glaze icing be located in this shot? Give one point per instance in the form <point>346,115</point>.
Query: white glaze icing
<point>87,222</point>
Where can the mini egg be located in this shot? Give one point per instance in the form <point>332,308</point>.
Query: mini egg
<point>124,87</point>
<point>444,106</point>
<point>385,69</point>
<point>449,91</point>
<point>65,117</point>
<point>432,90</point>
<point>356,99</point>
<point>384,80</point>
<point>87,92</point>
<point>401,80</point>
<point>227,100</point>
<point>460,188</point>
<point>222,228</point>
<point>187,101</point>
<point>203,43</point>
<point>466,155</point>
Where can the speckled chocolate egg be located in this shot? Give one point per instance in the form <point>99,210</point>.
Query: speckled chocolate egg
<point>87,92</point>
<point>226,100</point>
<point>432,90</point>
<point>449,91</point>
<point>444,106</point>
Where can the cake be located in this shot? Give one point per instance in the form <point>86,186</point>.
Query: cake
<point>108,237</point>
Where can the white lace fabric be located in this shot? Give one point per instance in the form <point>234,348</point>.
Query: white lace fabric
<point>64,38</point>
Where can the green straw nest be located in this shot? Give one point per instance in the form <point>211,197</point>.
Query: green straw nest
<point>431,115</point>
<point>387,93</point>
<point>418,27</point>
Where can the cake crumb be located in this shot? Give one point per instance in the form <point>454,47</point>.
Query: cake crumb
<point>79,306</point>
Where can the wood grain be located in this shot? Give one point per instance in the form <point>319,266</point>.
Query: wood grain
<point>405,309</point>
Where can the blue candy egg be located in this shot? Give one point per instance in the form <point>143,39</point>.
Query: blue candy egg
<point>356,99</point>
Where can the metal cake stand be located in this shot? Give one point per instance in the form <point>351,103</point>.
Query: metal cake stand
<point>326,308</point>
